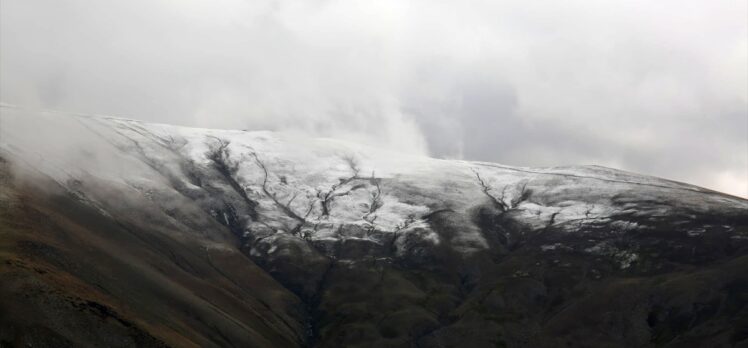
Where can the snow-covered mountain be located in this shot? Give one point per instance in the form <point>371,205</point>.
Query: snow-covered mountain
<point>355,245</point>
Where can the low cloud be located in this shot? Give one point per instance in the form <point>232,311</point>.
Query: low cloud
<point>658,88</point>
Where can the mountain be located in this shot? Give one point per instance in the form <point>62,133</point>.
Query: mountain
<point>121,233</point>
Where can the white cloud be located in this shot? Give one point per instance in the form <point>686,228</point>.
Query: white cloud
<point>660,88</point>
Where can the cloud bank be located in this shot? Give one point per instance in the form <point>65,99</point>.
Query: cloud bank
<point>652,87</point>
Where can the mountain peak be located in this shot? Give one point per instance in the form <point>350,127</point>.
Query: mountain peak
<point>316,214</point>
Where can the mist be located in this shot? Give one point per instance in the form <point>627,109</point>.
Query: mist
<point>656,88</point>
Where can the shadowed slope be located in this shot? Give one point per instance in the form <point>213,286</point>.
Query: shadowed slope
<point>73,276</point>
<point>136,234</point>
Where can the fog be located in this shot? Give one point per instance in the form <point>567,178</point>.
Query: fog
<point>659,88</point>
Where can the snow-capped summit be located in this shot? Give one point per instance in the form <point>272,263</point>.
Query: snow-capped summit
<point>304,209</point>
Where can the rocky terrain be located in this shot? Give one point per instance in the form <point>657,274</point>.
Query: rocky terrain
<point>121,233</point>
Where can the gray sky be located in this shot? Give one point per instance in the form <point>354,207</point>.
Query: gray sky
<point>656,87</point>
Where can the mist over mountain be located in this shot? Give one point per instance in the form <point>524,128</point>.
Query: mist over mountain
<point>122,233</point>
<point>654,88</point>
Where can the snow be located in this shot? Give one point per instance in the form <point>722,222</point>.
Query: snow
<point>624,258</point>
<point>148,157</point>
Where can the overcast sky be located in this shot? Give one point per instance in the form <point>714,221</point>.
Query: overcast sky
<point>656,87</point>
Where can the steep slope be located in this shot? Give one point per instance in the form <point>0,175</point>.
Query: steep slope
<point>150,234</point>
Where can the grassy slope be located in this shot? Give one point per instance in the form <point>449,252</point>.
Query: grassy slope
<point>74,277</point>
<point>683,291</point>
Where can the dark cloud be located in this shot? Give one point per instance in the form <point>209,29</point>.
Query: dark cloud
<point>659,88</point>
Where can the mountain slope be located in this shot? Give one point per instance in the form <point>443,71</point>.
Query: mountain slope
<point>149,234</point>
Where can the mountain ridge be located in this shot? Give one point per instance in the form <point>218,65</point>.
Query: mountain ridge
<point>348,143</point>
<point>407,250</point>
